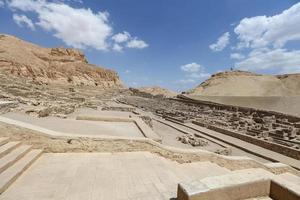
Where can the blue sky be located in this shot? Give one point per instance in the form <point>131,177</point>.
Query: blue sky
<point>171,43</point>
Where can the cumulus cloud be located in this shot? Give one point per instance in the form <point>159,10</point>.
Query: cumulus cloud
<point>237,56</point>
<point>117,47</point>
<point>193,71</point>
<point>222,42</point>
<point>281,59</point>
<point>264,31</point>
<point>191,67</point>
<point>2,3</point>
<point>200,75</point>
<point>22,20</point>
<point>121,37</point>
<point>137,44</point>
<point>77,27</point>
<point>129,41</point>
<point>266,37</point>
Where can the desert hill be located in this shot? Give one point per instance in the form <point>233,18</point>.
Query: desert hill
<point>241,83</point>
<point>52,65</point>
<point>155,90</point>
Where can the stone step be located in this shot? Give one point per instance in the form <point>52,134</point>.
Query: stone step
<point>3,140</point>
<point>291,178</point>
<point>201,170</point>
<point>8,147</point>
<point>188,171</point>
<point>8,176</point>
<point>9,159</point>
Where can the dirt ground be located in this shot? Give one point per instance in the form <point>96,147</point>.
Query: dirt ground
<point>63,145</point>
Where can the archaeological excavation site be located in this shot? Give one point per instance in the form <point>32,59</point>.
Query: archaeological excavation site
<point>73,130</point>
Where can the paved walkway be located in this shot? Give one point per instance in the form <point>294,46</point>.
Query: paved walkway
<point>107,176</point>
<point>71,127</point>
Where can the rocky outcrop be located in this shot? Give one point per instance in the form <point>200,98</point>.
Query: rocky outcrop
<point>241,83</point>
<point>52,65</point>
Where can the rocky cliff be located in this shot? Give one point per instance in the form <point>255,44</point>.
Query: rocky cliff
<point>52,65</point>
<point>241,83</point>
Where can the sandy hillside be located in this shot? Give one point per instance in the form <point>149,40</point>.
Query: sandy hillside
<point>52,65</point>
<point>241,83</point>
<point>157,91</point>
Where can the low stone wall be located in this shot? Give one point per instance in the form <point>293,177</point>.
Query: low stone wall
<point>293,153</point>
<point>244,184</point>
<point>145,129</point>
<point>54,142</point>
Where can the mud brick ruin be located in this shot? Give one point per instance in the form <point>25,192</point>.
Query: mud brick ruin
<point>268,129</point>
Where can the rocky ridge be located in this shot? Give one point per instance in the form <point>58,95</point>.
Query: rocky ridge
<point>52,65</point>
<point>51,81</point>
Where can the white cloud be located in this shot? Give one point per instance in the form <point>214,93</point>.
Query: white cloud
<point>117,47</point>
<point>282,60</point>
<point>77,27</point>
<point>2,3</point>
<point>266,36</point>
<point>75,1</point>
<point>121,37</point>
<point>222,42</point>
<point>191,67</point>
<point>22,20</point>
<point>274,31</point>
<point>200,75</point>
<point>127,71</point>
<point>237,56</point>
<point>137,44</point>
<point>193,71</point>
<point>125,40</point>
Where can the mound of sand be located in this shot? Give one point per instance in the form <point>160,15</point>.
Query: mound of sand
<point>241,83</point>
<point>157,91</point>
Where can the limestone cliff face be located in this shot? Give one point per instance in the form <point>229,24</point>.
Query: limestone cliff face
<point>241,83</point>
<point>52,65</point>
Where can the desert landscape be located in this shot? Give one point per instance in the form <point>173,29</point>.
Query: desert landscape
<point>138,127</point>
<point>54,102</point>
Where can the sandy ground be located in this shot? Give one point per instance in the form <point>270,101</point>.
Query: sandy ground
<point>80,127</point>
<point>169,137</point>
<point>123,129</point>
<point>67,144</point>
<point>167,132</point>
<point>287,105</point>
<point>105,176</point>
<point>93,112</point>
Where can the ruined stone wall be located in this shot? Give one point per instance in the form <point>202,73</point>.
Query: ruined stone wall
<point>262,143</point>
<point>219,106</point>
